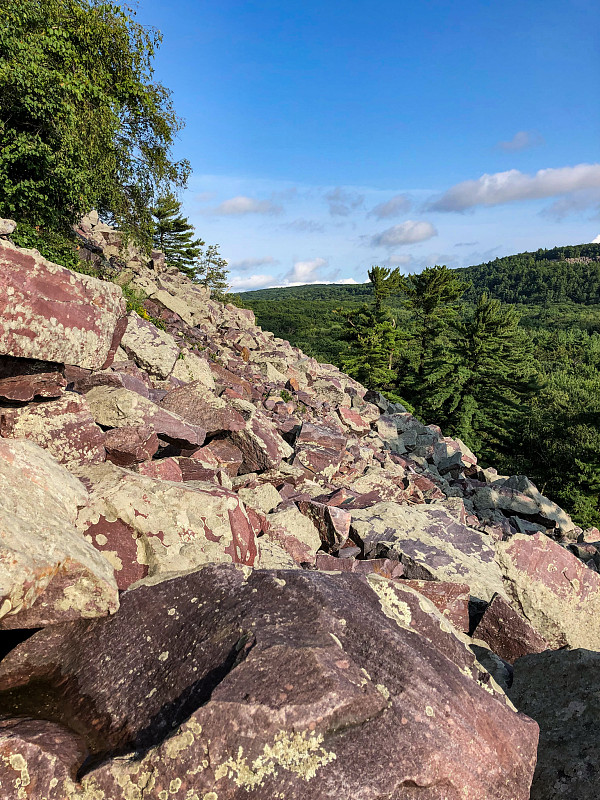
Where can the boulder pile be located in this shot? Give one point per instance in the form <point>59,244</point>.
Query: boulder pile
<point>229,571</point>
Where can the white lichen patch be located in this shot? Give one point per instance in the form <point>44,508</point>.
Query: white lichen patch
<point>391,605</point>
<point>299,753</point>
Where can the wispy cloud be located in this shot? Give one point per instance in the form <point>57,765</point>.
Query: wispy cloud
<point>342,201</point>
<point>466,244</point>
<point>393,207</point>
<point>251,263</point>
<point>573,203</point>
<point>409,232</point>
<point>246,205</point>
<point>251,282</point>
<point>512,186</point>
<point>305,271</point>
<point>522,140</point>
<point>304,226</point>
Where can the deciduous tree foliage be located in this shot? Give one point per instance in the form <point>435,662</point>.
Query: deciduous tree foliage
<point>82,123</point>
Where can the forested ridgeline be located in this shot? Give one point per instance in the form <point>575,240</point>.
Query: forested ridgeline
<point>519,382</point>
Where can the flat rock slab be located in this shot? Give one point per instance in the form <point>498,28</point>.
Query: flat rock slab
<point>197,405</point>
<point>558,690</point>
<point>48,573</point>
<point>115,407</point>
<point>50,313</point>
<point>367,694</point>
<point>507,633</point>
<point>450,599</point>
<point>23,388</point>
<point>431,543</point>
<point>64,427</point>
<point>130,445</point>
<point>553,590</point>
<point>260,444</point>
<point>145,526</point>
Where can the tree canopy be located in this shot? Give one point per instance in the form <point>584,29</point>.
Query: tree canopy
<point>82,123</point>
<point>173,234</point>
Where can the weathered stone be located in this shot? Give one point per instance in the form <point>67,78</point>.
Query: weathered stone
<point>451,599</point>
<point>431,543</point>
<point>332,523</point>
<point>552,589</point>
<point>225,379</point>
<point>319,449</point>
<point>119,408</point>
<point>559,691</point>
<point>260,444</point>
<point>7,226</point>
<point>23,388</point>
<point>152,349</point>
<point>130,445</point>
<point>353,420</point>
<point>228,456</point>
<point>507,633</point>
<point>178,677</point>
<point>263,498</point>
<point>166,469</point>
<point>519,496</point>
<point>197,405</point>
<point>36,757</point>
<point>152,527</point>
<point>64,427</point>
<point>378,566</point>
<point>295,533</point>
<point>48,573</point>
<point>190,368</point>
<point>51,313</point>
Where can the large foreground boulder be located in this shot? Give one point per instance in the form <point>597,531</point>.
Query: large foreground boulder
<point>50,313</point>
<point>48,572</point>
<point>229,683</point>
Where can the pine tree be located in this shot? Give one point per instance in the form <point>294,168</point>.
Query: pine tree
<point>174,235</point>
<point>386,283</point>
<point>211,270</point>
<point>493,373</point>
<point>432,300</point>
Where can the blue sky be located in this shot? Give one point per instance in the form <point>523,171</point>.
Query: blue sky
<point>325,137</point>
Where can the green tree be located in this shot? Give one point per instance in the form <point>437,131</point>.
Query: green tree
<point>431,297</point>
<point>493,372</point>
<point>211,270</point>
<point>373,338</point>
<point>174,235</point>
<point>82,124</point>
<point>386,283</point>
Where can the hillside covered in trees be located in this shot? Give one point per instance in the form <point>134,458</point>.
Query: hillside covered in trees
<point>511,362</point>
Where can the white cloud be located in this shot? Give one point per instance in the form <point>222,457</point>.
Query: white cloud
<point>409,232</point>
<point>251,263</point>
<point>244,283</point>
<point>246,205</point>
<point>521,140</point>
<point>397,261</point>
<point>342,202</point>
<point>304,226</point>
<point>572,204</point>
<point>512,186</point>
<point>391,208</point>
<point>305,271</point>
<point>596,240</point>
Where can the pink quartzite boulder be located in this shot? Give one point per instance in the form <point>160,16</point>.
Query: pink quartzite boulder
<point>115,407</point>
<point>199,406</point>
<point>146,526</point>
<point>65,427</point>
<point>367,695</point>
<point>48,573</point>
<point>260,444</point>
<point>353,420</point>
<point>130,445</point>
<point>50,313</point>
<point>553,590</point>
<point>431,544</point>
<point>451,600</point>
<point>23,388</point>
<point>332,523</point>
<point>507,633</point>
<point>319,450</point>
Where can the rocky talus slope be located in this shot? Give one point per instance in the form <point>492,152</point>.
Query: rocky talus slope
<point>228,571</point>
